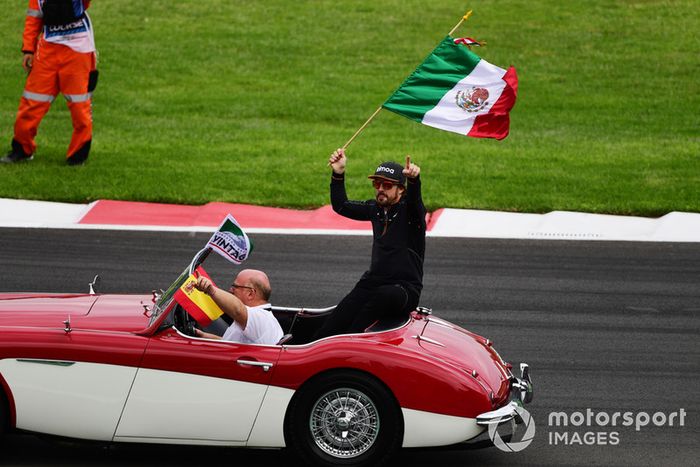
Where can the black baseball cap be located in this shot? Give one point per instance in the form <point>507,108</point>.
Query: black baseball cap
<point>390,171</point>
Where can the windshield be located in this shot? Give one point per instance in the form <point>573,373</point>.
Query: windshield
<point>167,297</point>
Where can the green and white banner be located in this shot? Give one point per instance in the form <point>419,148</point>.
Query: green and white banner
<point>231,242</point>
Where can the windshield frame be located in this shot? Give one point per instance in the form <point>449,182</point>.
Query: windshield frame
<point>167,297</point>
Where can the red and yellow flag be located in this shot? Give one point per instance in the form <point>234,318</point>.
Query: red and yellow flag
<point>198,304</point>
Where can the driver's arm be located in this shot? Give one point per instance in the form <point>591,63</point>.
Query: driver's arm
<point>416,208</point>
<point>228,302</point>
<point>358,210</point>
<point>206,335</point>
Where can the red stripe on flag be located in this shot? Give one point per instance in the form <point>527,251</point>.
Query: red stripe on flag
<point>496,123</point>
<point>192,308</point>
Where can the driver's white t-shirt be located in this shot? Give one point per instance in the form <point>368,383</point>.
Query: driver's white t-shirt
<point>262,328</point>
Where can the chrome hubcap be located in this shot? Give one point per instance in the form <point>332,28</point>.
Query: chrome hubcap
<point>344,423</point>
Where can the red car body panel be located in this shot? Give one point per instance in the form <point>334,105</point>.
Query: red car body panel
<point>124,349</point>
<point>466,350</point>
<point>102,328</point>
<point>171,351</point>
<point>40,309</point>
<point>459,376</point>
<point>98,312</point>
<point>117,313</point>
<point>418,379</point>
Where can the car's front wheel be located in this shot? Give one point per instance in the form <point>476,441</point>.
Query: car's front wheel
<point>344,418</point>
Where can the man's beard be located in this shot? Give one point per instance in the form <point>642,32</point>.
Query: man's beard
<point>382,201</point>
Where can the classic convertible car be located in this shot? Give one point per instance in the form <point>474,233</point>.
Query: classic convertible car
<point>127,368</point>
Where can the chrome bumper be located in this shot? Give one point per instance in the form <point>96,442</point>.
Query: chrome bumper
<point>521,391</point>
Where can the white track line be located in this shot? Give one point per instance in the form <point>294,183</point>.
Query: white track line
<point>466,223</point>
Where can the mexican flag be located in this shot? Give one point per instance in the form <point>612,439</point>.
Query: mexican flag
<point>456,90</point>
<point>198,304</point>
<point>230,241</point>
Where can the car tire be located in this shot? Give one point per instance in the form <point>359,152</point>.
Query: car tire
<point>344,418</point>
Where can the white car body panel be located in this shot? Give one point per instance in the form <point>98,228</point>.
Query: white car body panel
<point>72,399</point>
<point>424,429</point>
<point>165,405</point>
<point>268,431</point>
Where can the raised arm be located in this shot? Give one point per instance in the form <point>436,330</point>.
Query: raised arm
<point>358,210</point>
<point>414,200</point>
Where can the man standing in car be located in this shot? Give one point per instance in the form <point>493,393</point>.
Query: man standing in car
<point>392,285</point>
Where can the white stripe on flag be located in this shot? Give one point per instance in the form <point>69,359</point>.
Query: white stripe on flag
<point>447,115</point>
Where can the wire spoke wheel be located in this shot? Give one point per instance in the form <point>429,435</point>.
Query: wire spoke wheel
<point>344,423</point>
<point>344,417</point>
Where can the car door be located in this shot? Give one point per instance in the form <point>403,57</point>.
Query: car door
<point>197,390</point>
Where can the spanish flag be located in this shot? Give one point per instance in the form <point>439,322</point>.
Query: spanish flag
<point>198,304</point>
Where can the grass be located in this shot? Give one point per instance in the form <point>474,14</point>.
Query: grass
<point>243,102</point>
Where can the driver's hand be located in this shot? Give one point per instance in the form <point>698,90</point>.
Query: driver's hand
<point>199,333</point>
<point>205,285</point>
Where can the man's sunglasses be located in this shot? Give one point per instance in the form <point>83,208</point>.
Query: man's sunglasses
<point>236,286</point>
<point>384,185</point>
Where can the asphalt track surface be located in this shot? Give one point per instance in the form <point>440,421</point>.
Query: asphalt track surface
<point>606,326</point>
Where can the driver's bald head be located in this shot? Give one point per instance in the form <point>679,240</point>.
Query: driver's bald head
<point>258,280</point>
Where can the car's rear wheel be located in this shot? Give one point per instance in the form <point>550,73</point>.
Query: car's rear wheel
<point>344,418</point>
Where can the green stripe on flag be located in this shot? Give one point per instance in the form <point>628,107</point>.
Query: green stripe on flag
<point>235,229</point>
<point>446,65</point>
<point>231,227</point>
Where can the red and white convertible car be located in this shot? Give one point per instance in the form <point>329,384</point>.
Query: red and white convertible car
<point>126,368</point>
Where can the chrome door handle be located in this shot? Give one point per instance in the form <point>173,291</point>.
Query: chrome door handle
<point>46,362</point>
<point>265,365</point>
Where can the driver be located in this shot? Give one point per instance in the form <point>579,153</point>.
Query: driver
<point>247,303</point>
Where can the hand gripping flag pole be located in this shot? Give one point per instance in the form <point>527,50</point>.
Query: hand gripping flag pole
<point>357,133</point>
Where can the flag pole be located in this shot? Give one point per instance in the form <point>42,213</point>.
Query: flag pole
<point>362,127</point>
<point>463,19</point>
